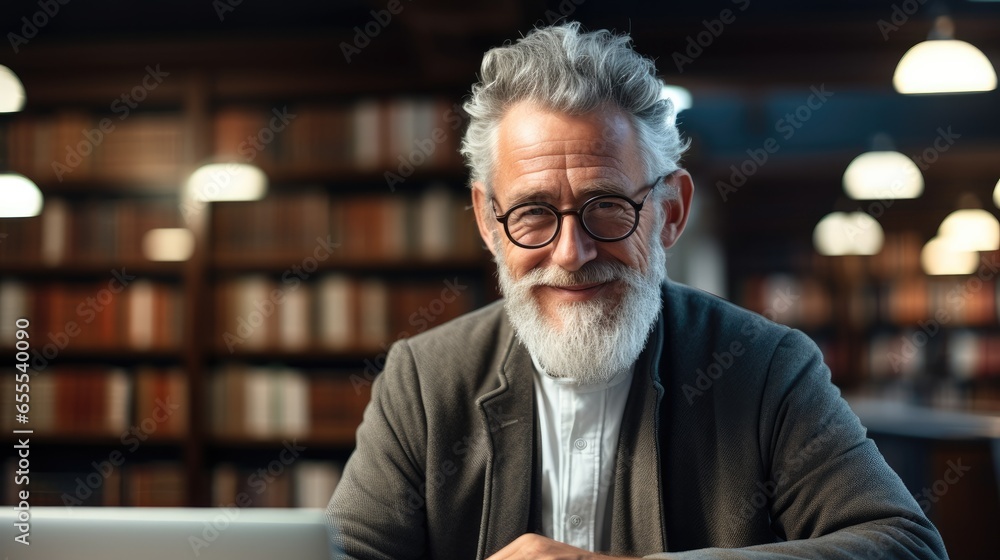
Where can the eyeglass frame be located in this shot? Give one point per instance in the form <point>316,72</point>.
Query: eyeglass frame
<point>560,214</point>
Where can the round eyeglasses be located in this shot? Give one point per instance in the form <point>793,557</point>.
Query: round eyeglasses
<point>606,217</point>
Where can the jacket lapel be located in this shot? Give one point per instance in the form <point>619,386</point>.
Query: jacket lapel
<point>509,419</point>
<point>637,527</point>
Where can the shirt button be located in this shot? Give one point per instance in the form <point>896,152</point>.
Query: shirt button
<point>575,520</point>
<point>581,444</point>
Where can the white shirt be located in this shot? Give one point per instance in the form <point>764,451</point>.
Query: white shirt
<point>579,426</point>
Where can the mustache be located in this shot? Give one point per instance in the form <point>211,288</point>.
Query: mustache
<point>589,273</point>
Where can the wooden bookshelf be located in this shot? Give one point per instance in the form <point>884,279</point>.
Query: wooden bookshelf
<point>396,247</point>
<point>886,328</point>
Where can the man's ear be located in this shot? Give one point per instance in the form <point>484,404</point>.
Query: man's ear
<point>676,206</point>
<point>484,213</point>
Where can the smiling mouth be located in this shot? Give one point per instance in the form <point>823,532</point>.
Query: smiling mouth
<point>577,292</point>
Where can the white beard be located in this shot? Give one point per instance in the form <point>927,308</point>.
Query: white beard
<point>597,339</point>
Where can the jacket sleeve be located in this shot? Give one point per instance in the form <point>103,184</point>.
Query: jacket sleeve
<point>830,494</point>
<point>377,511</point>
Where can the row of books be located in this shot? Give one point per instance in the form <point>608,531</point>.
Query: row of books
<point>105,230</point>
<point>99,401</point>
<point>275,402</point>
<point>930,351</point>
<point>337,311</point>
<point>973,355</point>
<point>367,135</point>
<point>435,224</point>
<point>304,483</point>
<point>789,300</point>
<point>72,145</point>
<point>114,313</point>
<point>132,483</point>
<point>899,258</point>
<point>809,302</point>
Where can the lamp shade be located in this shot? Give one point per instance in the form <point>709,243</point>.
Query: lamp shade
<point>944,66</point>
<point>939,256</point>
<point>11,91</point>
<point>842,233</point>
<point>883,175</point>
<point>971,229</point>
<point>19,197</point>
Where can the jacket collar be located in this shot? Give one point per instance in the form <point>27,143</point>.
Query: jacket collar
<point>638,526</point>
<point>508,415</point>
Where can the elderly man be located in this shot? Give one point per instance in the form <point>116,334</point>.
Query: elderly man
<point>601,408</point>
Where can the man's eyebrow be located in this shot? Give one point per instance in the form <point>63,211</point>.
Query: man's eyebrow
<point>531,195</point>
<point>599,187</point>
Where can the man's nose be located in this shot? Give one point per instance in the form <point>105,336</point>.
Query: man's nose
<point>573,248</point>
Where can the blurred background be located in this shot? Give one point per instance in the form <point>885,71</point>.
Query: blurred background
<point>218,216</point>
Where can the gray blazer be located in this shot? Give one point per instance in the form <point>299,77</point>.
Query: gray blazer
<point>734,444</point>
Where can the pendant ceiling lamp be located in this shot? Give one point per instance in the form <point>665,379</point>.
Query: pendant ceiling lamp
<point>943,64</point>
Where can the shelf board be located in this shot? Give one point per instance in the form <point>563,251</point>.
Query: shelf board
<point>309,355</point>
<point>89,440</point>
<point>345,174</point>
<point>275,265</point>
<point>93,268</point>
<point>328,440</point>
<point>89,184</point>
<point>108,354</point>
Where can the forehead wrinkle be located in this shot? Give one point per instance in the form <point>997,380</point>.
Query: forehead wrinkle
<point>558,162</point>
<point>586,146</point>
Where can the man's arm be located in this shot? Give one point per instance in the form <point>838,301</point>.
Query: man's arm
<point>375,509</point>
<point>829,492</point>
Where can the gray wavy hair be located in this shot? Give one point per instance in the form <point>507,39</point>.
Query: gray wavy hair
<point>566,70</point>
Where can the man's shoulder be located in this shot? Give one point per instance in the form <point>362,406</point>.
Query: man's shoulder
<point>468,346</point>
<point>688,300</point>
<point>481,324</point>
<point>700,314</point>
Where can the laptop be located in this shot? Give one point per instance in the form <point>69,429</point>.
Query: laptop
<point>108,533</point>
